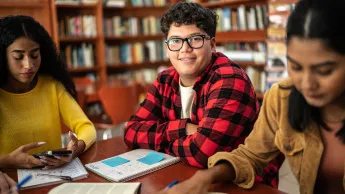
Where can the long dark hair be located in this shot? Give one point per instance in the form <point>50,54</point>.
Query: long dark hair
<point>13,27</point>
<point>319,19</point>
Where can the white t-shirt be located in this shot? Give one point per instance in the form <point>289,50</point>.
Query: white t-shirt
<point>187,98</point>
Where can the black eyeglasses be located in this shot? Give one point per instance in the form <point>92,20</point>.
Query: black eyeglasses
<point>195,42</point>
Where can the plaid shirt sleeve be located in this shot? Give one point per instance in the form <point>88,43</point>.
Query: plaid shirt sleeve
<point>228,116</point>
<point>147,128</point>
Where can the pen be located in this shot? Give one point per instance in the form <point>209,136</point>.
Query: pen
<point>68,178</point>
<point>23,181</point>
<point>172,184</point>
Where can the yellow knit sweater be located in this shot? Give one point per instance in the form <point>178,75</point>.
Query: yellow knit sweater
<point>36,116</point>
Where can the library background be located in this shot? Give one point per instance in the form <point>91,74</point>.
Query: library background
<point>114,48</point>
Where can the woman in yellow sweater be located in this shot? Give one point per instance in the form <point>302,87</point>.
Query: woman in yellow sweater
<point>302,117</point>
<point>36,94</point>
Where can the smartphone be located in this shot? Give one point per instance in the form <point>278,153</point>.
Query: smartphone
<point>54,153</point>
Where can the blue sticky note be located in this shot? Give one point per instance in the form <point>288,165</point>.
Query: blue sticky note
<point>115,161</point>
<point>151,158</point>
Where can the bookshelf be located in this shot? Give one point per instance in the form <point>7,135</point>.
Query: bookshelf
<point>41,10</point>
<point>103,69</point>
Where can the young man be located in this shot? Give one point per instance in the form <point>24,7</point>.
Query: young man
<point>205,103</point>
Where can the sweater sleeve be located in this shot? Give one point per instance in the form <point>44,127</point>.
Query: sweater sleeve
<point>74,117</point>
<point>259,148</point>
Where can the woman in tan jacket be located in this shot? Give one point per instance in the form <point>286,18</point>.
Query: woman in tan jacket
<point>302,117</point>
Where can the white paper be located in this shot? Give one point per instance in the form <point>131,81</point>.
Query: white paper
<point>74,169</point>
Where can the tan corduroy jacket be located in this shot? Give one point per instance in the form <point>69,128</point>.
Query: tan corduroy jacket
<point>272,134</point>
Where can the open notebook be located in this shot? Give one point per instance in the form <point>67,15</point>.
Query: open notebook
<point>131,165</point>
<point>109,188</point>
<point>74,169</point>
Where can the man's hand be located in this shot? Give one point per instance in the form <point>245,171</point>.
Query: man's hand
<point>75,145</point>
<point>20,158</point>
<point>191,129</point>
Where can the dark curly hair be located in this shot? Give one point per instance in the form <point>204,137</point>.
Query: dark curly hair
<point>190,13</point>
<point>13,27</point>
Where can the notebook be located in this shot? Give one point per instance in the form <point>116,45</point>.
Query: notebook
<point>74,169</point>
<point>131,164</point>
<point>109,188</point>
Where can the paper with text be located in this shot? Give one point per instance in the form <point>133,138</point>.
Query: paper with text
<point>74,169</point>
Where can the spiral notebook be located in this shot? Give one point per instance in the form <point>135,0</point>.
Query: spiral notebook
<point>131,164</point>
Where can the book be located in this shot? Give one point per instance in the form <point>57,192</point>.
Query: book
<point>73,169</point>
<point>131,164</point>
<point>110,188</point>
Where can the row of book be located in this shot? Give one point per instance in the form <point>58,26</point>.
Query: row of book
<point>242,18</point>
<point>276,68</point>
<point>135,53</point>
<point>117,26</point>
<point>258,79</point>
<point>146,76</point>
<point>122,3</point>
<point>78,55</point>
<point>246,52</point>
<point>76,26</point>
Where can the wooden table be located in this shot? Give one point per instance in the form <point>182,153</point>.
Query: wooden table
<point>150,183</point>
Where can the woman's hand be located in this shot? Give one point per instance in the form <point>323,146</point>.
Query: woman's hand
<point>77,147</point>
<point>197,184</point>
<point>20,158</point>
<point>7,185</point>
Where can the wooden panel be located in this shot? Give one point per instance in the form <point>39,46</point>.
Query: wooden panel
<point>131,11</point>
<point>83,69</point>
<point>38,9</point>
<point>282,1</point>
<point>77,39</point>
<point>134,38</point>
<point>233,3</point>
<point>241,36</point>
<point>76,6</point>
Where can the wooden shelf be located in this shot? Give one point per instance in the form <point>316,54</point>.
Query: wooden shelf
<point>241,36</point>
<point>136,7</point>
<point>83,69</point>
<point>260,95</point>
<point>134,66</point>
<point>279,13</point>
<point>223,3</point>
<point>76,6</point>
<point>282,1</point>
<point>134,37</point>
<point>21,5</point>
<point>245,64</point>
<point>77,39</point>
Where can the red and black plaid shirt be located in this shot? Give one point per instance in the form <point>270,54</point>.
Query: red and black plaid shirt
<point>225,109</point>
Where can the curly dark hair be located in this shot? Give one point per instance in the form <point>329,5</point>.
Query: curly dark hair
<point>13,27</point>
<point>190,13</point>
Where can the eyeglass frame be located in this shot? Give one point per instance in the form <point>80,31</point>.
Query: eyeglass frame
<point>186,40</point>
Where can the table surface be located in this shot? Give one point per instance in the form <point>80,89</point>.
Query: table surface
<point>150,183</point>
